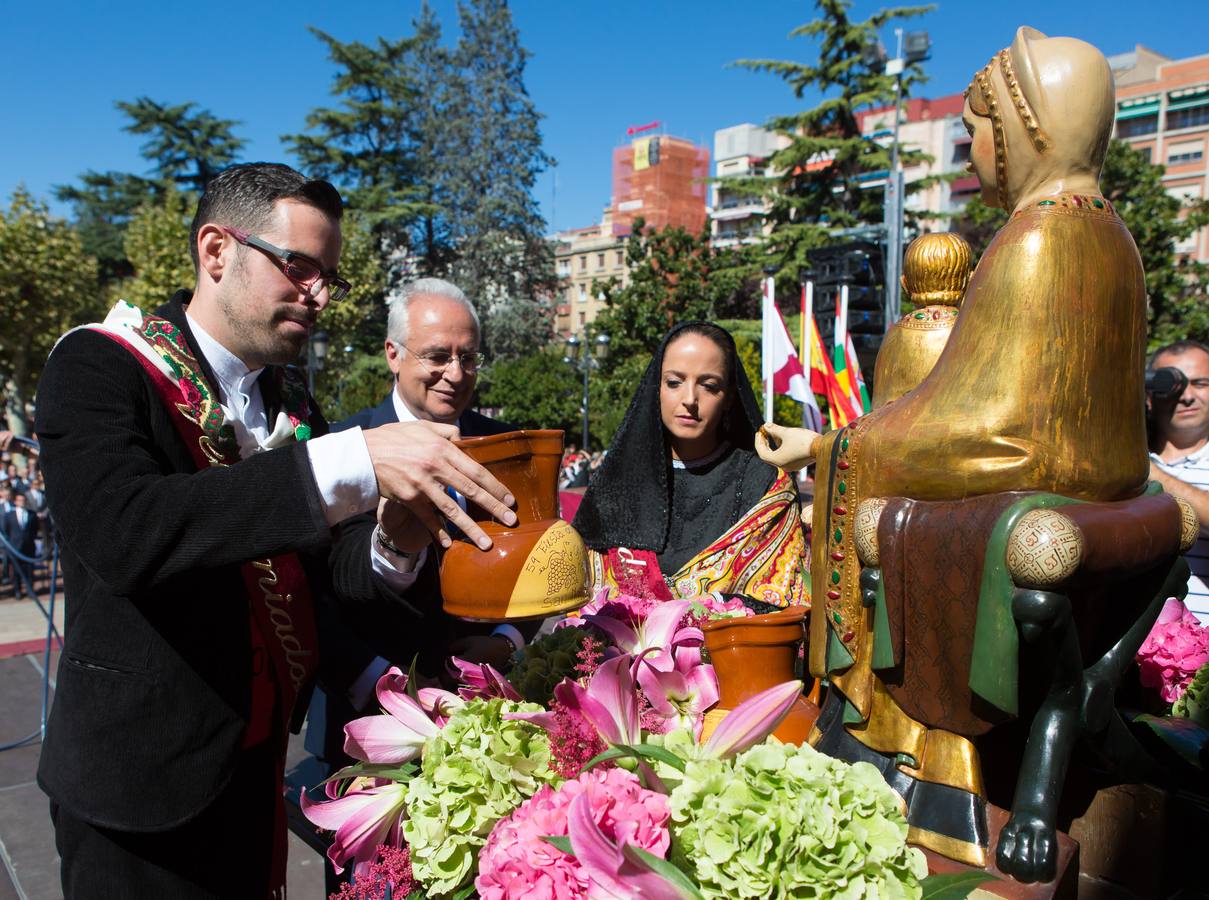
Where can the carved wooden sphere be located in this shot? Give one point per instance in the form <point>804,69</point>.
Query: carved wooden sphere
<point>1044,549</point>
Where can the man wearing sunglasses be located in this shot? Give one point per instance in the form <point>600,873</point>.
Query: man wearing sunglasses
<point>208,522</point>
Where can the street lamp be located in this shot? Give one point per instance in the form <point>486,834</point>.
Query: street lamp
<point>585,355</point>
<point>316,354</point>
<point>916,47</point>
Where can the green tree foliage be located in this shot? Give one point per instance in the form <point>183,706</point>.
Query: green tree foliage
<point>535,391</point>
<point>104,203</point>
<point>48,284</point>
<point>351,382</point>
<point>367,145</point>
<point>157,245</point>
<point>186,147</point>
<point>504,263</point>
<point>1176,288</point>
<point>675,276</point>
<point>820,187</point>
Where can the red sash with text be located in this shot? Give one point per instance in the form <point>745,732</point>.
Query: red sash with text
<point>282,622</point>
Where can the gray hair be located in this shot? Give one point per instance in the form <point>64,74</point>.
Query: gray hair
<point>396,322</point>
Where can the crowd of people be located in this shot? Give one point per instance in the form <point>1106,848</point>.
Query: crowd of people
<point>24,518</point>
<point>578,467</point>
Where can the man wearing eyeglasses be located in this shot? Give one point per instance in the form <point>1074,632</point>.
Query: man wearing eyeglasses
<point>1179,458</point>
<point>432,347</point>
<point>207,521</point>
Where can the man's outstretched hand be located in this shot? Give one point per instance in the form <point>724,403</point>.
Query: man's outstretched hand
<point>415,461</point>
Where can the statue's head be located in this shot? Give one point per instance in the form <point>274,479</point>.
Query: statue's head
<point>936,269</point>
<point>1041,110</point>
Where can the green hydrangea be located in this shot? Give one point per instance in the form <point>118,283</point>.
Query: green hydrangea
<point>546,662</point>
<point>785,821</point>
<point>478,770</point>
<point>1194,702</point>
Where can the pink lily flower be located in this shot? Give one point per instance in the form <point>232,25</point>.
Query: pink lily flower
<point>609,702</point>
<point>396,737</point>
<point>439,704</point>
<point>481,680</point>
<point>614,874</point>
<point>660,633</point>
<point>361,819</point>
<point>680,698</point>
<point>752,720</point>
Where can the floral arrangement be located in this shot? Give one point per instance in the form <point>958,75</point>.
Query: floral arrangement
<point>612,788</point>
<point>1177,646</point>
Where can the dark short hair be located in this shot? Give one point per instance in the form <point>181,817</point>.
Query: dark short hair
<point>243,196</point>
<point>1176,348</point>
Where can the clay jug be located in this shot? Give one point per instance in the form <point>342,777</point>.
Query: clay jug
<point>534,569</point>
<point>755,653</point>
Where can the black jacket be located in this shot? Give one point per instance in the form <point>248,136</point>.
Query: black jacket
<point>22,538</point>
<point>153,687</point>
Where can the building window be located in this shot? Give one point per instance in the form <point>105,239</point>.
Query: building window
<point>1185,152</point>
<point>1127,128</point>
<point>620,257</point>
<point>583,293</point>
<point>564,266</point>
<point>1146,152</point>
<point>961,152</point>
<point>583,318</point>
<point>600,260</point>
<point>1188,118</point>
<point>583,263</point>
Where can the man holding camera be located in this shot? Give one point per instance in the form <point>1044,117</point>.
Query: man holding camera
<point>1179,445</point>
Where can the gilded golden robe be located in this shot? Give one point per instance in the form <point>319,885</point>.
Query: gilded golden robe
<point>1039,388</point>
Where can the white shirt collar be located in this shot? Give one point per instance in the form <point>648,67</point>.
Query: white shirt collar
<point>233,376</point>
<point>703,461</point>
<point>401,410</point>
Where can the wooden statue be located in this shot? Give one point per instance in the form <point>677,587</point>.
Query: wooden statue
<point>985,547</point>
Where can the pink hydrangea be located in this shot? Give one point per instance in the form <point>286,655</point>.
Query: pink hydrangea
<point>1176,647</point>
<point>516,862</point>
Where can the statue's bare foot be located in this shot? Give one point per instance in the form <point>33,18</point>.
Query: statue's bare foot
<point>1028,848</point>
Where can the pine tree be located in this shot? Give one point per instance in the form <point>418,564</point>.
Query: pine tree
<point>367,144</point>
<point>504,262</point>
<point>187,148</point>
<point>821,185</point>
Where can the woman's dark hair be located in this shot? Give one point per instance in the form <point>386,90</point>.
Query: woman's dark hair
<point>243,196</point>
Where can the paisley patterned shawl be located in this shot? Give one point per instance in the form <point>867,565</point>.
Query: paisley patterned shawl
<point>762,556</point>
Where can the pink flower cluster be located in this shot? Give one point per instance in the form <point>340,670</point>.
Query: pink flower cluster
<point>392,868</point>
<point>1176,647</point>
<point>516,862</point>
<point>573,740</point>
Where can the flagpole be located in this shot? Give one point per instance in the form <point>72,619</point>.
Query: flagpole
<point>766,351</point>
<point>805,353</point>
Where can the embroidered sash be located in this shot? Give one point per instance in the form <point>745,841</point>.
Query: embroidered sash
<point>279,597</point>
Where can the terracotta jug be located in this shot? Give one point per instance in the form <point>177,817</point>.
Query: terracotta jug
<point>535,569</point>
<point>755,653</point>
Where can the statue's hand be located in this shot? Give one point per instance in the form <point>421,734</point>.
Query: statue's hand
<point>791,449</point>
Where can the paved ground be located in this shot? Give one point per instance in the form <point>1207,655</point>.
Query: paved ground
<point>29,865</point>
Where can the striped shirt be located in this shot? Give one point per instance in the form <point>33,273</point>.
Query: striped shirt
<point>1193,469</point>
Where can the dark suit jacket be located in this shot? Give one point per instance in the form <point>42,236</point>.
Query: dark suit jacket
<point>386,634</point>
<point>21,537</point>
<point>153,688</point>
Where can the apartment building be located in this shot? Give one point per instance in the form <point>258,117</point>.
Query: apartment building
<point>583,256</point>
<point>1163,111</point>
<point>738,217</point>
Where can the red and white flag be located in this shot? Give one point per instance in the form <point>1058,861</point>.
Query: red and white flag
<point>782,366</point>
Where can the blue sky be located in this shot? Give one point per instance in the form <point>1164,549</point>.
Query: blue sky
<point>595,69</point>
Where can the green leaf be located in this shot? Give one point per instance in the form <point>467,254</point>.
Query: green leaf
<point>463,893</point>
<point>561,841</point>
<point>637,751</point>
<point>412,691</point>
<point>393,771</point>
<point>954,885</point>
<point>663,868</point>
